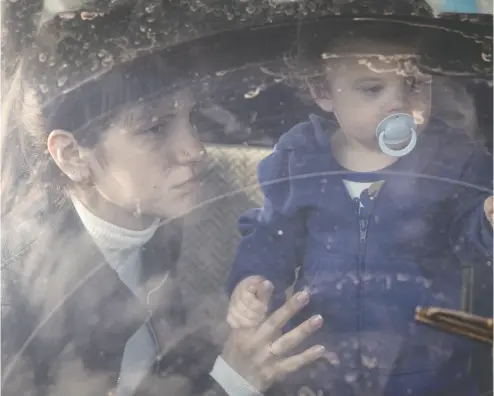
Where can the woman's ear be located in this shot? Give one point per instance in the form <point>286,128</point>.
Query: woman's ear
<point>68,155</point>
<point>321,95</point>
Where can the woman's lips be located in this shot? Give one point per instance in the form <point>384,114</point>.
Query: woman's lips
<point>195,179</point>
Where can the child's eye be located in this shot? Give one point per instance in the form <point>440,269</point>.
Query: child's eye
<point>372,90</point>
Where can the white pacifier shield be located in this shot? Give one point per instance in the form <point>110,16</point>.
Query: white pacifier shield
<point>397,129</point>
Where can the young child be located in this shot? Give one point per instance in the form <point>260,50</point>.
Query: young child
<point>377,214</point>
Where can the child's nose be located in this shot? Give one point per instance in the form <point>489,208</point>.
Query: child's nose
<point>399,101</point>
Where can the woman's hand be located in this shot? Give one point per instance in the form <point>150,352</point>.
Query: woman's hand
<point>261,355</point>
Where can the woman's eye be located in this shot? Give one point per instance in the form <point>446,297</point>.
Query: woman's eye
<point>155,129</point>
<point>161,127</point>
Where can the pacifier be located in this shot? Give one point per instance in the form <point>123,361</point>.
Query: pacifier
<point>397,129</point>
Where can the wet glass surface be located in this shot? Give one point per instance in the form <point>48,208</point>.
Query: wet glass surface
<point>174,172</point>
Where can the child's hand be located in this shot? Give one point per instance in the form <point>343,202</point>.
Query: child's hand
<point>249,302</point>
<point>489,209</point>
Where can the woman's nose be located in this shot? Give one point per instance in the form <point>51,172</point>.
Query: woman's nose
<point>187,146</point>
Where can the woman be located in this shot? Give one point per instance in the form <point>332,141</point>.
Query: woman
<point>94,179</point>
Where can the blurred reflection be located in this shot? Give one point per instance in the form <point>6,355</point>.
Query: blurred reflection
<point>121,193</point>
<point>454,104</point>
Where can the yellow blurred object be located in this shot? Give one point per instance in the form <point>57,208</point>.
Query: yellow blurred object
<point>473,326</point>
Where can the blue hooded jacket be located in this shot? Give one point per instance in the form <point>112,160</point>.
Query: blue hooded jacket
<point>366,273</point>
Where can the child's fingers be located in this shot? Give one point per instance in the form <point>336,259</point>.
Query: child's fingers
<point>237,321</point>
<point>252,301</point>
<point>251,282</point>
<point>244,310</point>
<point>232,321</point>
<point>265,293</point>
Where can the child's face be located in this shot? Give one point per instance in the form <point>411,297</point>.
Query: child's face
<point>365,90</point>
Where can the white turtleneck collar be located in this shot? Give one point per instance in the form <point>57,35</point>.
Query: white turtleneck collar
<point>109,236</point>
<point>119,246</point>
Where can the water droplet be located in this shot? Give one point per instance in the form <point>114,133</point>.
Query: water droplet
<point>229,16</point>
<point>369,362</point>
<point>427,283</point>
<point>350,378</point>
<point>402,277</point>
<point>143,28</point>
<point>107,61</point>
<point>250,9</point>
<point>61,81</point>
<point>332,358</point>
<point>280,232</point>
<point>355,280</point>
<point>252,93</point>
<point>42,58</point>
<point>486,57</point>
<point>89,15</point>
<point>439,296</point>
<point>150,8</point>
<point>367,277</point>
<point>289,11</point>
<point>43,88</point>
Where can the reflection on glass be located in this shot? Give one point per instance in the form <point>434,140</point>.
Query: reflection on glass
<point>358,178</point>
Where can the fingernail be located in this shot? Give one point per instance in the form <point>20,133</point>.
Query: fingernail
<point>316,321</point>
<point>320,349</point>
<point>303,297</point>
<point>267,285</point>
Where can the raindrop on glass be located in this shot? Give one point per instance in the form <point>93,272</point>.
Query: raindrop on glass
<point>61,81</point>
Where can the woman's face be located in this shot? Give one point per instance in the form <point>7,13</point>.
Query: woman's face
<point>151,160</point>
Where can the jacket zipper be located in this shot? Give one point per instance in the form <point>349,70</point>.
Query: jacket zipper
<point>363,226</point>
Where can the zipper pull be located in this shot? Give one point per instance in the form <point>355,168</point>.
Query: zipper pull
<point>363,230</point>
